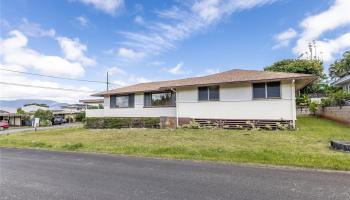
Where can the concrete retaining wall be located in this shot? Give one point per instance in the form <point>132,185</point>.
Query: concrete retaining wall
<point>336,113</point>
<point>303,111</point>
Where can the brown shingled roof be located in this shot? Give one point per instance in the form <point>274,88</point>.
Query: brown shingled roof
<point>231,76</point>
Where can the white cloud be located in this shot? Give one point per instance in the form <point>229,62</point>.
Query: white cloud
<point>177,69</point>
<point>130,53</point>
<point>16,55</point>
<point>129,79</point>
<point>34,30</point>
<point>83,21</point>
<point>73,50</point>
<point>116,71</point>
<point>315,26</point>
<point>18,92</point>
<point>139,20</point>
<point>107,6</point>
<point>283,39</point>
<point>14,51</point>
<point>184,21</point>
<point>334,46</point>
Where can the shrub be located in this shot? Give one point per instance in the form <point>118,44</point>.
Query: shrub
<point>45,123</point>
<point>336,98</point>
<point>313,107</point>
<point>80,117</point>
<point>303,100</point>
<point>281,126</point>
<point>121,122</point>
<point>192,125</point>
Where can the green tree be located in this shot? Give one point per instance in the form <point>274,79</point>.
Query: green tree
<point>44,115</point>
<point>340,68</point>
<point>20,111</point>
<point>303,66</point>
<point>314,67</point>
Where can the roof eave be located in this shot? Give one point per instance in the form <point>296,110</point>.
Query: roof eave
<point>312,78</point>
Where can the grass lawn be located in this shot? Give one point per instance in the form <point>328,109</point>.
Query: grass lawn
<point>306,147</point>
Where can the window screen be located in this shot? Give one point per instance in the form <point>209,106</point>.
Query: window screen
<point>203,93</point>
<point>273,90</point>
<point>147,99</point>
<point>259,90</point>
<point>214,93</point>
<point>112,101</point>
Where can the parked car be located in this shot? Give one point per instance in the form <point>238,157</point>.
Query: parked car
<point>57,121</point>
<point>4,124</point>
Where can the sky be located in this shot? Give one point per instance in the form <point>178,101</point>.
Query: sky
<point>152,40</point>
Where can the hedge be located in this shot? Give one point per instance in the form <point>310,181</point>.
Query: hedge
<point>122,122</point>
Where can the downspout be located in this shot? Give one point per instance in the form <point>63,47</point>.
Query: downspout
<point>293,103</point>
<point>176,108</point>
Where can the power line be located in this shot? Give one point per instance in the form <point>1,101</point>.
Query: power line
<point>44,87</point>
<point>57,77</point>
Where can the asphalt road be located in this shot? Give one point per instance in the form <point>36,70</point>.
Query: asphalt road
<point>34,174</point>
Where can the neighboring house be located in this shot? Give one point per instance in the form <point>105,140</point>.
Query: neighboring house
<point>74,107</point>
<point>12,118</point>
<point>69,112</point>
<point>92,103</point>
<point>232,98</point>
<point>343,82</point>
<point>33,107</point>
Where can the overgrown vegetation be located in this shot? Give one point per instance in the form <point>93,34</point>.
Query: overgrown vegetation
<point>341,67</point>
<point>331,96</point>
<point>45,117</point>
<point>122,122</point>
<point>308,146</point>
<point>80,117</point>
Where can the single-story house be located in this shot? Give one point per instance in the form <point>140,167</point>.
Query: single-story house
<point>69,112</point>
<point>13,119</point>
<point>343,82</point>
<point>232,98</point>
<point>68,115</point>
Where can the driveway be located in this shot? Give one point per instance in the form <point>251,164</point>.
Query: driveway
<point>34,174</point>
<point>18,130</point>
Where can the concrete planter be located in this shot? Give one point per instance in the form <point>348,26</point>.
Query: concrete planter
<point>341,145</point>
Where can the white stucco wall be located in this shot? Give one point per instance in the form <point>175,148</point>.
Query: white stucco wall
<point>236,102</point>
<point>137,111</point>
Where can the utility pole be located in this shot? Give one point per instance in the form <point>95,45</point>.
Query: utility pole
<point>107,83</point>
<point>310,49</point>
<point>314,43</point>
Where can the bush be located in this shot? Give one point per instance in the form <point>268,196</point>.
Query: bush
<point>313,107</point>
<point>303,100</point>
<point>121,122</point>
<point>336,98</point>
<point>45,123</point>
<point>192,125</point>
<point>80,117</point>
